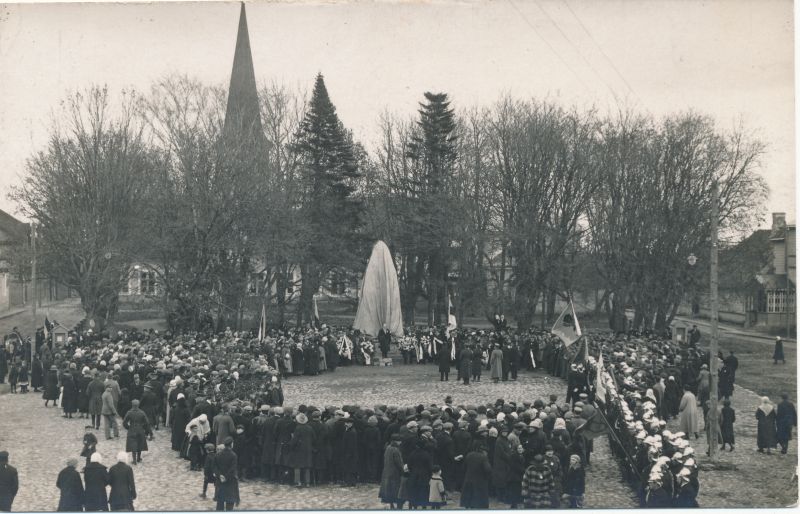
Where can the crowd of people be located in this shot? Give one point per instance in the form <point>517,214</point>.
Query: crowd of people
<point>220,398</point>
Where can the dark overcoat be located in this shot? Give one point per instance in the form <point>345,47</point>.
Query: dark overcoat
<point>69,399</point>
<point>71,486</point>
<point>419,467</point>
<point>477,473</point>
<point>785,419</point>
<point>51,385</point>
<point>138,427</point>
<point>83,396</point>
<point>95,391</point>
<point>767,437</point>
<point>392,474</point>
<point>180,418</point>
<point>301,447</point>
<point>96,478</point>
<point>226,464</point>
<point>267,438</point>
<point>123,487</point>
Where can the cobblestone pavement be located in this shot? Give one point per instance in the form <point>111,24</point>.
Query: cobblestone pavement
<point>40,441</point>
<point>744,477</point>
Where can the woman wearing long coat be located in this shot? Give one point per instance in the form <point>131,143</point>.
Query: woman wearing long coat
<point>690,416</point>
<point>95,391</point>
<point>71,488</point>
<point>180,418</point>
<point>726,421</point>
<point>477,474</point>
<point>465,364</point>
<point>69,395</point>
<point>767,435</point>
<point>37,374</point>
<point>392,473</point>
<point>778,355</point>
<point>501,467</point>
<point>83,394</point>
<point>96,477</point>
<point>420,465</point>
<point>672,396</point>
<point>51,386</point>
<point>496,364</point>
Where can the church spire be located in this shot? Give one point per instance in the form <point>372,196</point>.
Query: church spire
<point>242,114</point>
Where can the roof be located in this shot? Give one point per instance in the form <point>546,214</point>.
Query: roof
<point>12,226</point>
<point>772,281</point>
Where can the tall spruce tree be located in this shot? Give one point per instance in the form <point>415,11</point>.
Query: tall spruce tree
<point>433,148</point>
<point>330,204</point>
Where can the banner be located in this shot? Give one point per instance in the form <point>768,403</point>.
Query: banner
<point>566,326</point>
<point>599,388</point>
<point>262,324</point>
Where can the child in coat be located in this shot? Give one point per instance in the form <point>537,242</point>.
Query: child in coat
<point>89,443</point>
<point>726,421</point>
<point>437,496</point>
<point>208,468</point>
<point>195,450</point>
<point>13,375</point>
<point>22,379</point>
<point>575,482</point>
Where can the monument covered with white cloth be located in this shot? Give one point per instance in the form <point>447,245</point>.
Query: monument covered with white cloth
<point>379,301</point>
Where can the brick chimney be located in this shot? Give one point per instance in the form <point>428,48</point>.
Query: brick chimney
<point>778,220</point>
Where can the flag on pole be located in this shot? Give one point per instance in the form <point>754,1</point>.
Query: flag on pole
<point>599,388</point>
<point>46,328</point>
<point>262,324</point>
<point>316,313</point>
<point>451,318</point>
<point>566,326</point>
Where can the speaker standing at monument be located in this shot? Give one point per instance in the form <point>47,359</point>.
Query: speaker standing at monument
<point>384,340</point>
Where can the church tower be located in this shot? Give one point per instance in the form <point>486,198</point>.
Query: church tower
<point>242,115</point>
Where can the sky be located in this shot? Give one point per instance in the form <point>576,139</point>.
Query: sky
<point>732,60</point>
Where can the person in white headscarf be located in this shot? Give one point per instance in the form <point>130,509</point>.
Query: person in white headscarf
<point>767,429</point>
<point>96,478</point>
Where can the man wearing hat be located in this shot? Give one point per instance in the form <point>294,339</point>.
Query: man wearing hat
<point>226,481</point>
<point>301,449</point>
<point>138,426</point>
<point>9,483</point>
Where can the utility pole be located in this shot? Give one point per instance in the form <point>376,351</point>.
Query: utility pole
<point>712,360</point>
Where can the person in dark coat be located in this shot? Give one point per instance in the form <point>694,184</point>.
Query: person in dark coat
<point>149,405</point>
<point>180,417</point>
<point>95,497</point>
<point>372,446</point>
<point>778,355</point>
<point>785,419</point>
<point>69,397</point>
<point>384,340</point>
<point>575,482</point>
<point>123,487</point>
<point>3,364</point>
<point>51,386</point>
<point>445,362</point>
<point>349,464</point>
<point>726,420</point>
<point>301,449</point>
<point>37,374</point>
<point>765,414</point>
<point>321,451</point>
<point>89,444</point>
<point>283,437</point>
<point>82,384</point>
<point>9,481</point>
<point>420,463</point>
<point>95,391</point>
<point>70,484</point>
<point>268,441</point>
<point>672,396</point>
<point>138,426</point>
<point>226,481</point>
<point>392,474</point>
<point>501,467</point>
<point>477,475</point>
<point>465,365</point>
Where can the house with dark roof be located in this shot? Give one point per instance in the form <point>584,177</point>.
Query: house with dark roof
<point>773,304</point>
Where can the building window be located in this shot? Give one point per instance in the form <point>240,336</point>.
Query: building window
<point>777,301</point>
<point>147,282</point>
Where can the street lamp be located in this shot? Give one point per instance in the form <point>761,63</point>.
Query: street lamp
<point>692,260</point>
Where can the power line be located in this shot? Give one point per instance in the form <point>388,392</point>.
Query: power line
<point>608,59</point>
<point>564,62</point>
<point>577,50</point>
